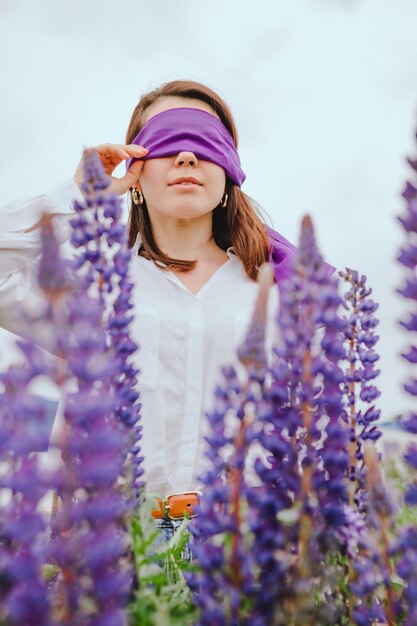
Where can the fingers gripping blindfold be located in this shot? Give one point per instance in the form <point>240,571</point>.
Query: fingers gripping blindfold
<point>193,130</point>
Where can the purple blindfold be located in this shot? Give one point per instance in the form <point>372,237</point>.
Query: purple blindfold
<point>175,130</point>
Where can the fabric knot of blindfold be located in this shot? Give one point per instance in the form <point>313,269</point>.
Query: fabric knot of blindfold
<point>191,130</point>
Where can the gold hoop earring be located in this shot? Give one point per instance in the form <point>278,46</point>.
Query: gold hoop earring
<point>137,196</point>
<point>225,199</point>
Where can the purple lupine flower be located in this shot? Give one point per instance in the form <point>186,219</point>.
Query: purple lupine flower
<point>53,271</point>
<point>89,538</point>
<point>381,555</point>
<point>24,432</point>
<point>222,545</point>
<point>372,585</point>
<point>361,358</point>
<point>407,543</point>
<point>409,222</point>
<point>317,376</point>
<point>103,261</point>
<point>330,485</point>
<point>23,531</point>
<point>300,515</point>
<point>407,569</point>
<point>275,538</point>
<point>251,352</point>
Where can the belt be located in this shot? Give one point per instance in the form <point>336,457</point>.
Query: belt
<point>174,505</point>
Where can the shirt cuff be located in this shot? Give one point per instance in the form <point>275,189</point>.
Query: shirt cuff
<point>22,215</point>
<point>19,225</point>
<point>61,198</point>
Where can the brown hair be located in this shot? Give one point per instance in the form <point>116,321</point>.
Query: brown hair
<point>238,225</point>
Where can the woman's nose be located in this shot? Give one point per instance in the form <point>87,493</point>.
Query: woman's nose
<point>186,158</point>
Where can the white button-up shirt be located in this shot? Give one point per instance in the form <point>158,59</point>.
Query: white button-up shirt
<point>184,338</point>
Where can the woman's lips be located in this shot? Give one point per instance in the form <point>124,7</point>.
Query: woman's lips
<point>186,179</point>
<point>185,185</point>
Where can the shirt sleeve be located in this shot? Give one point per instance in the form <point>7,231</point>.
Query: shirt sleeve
<point>20,243</point>
<point>19,225</point>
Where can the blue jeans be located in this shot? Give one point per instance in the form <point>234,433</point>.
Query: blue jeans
<point>167,528</point>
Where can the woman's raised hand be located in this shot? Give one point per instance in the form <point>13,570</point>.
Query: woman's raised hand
<point>111,155</point>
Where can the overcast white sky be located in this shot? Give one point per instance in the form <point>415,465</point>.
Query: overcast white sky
<point>324,94</point>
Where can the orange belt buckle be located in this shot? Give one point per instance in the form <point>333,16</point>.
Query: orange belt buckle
<point>174,505</point>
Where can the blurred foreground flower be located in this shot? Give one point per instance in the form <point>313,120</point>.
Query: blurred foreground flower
<point>103,260</point>
<point>89,540</point>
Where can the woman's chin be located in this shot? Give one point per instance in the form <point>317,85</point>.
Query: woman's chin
<point>188,215</point>
<point>186,211</point>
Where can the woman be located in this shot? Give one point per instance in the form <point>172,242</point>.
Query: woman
<point>197,244</point>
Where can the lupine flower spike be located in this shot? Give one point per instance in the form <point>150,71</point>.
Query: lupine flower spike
<point>407,565</point>
<point>301,514</point>
<point>222,542</point>
<point>103,261</point>
<point>23,482</point>
<point>360,372</point>
<point>101,415</point>
<point>23,530</point>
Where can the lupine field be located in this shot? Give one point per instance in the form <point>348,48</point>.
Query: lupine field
<point>329,537</point>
